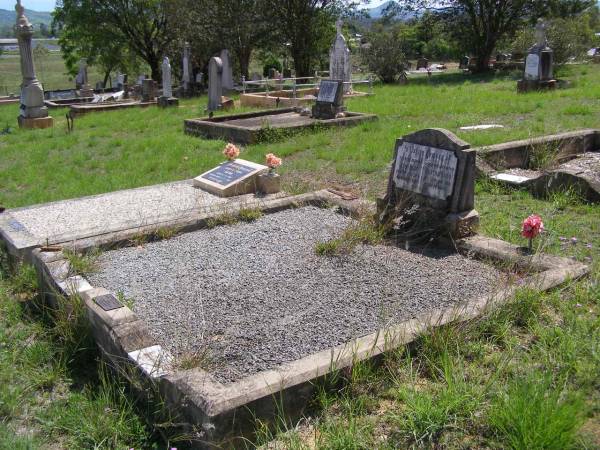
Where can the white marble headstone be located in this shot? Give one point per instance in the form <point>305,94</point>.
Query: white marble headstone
<point>532,64</point>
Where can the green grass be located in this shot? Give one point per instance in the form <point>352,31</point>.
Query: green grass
<point>50,70</point>
<point>523,376</point>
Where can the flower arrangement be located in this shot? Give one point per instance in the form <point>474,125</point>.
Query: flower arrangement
<point>231,152</point>
<point>532,226</point>
<point>272,162</point>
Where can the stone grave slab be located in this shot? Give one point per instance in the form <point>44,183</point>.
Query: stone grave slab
<point>433,174</point>
<point>250,128</point>
<point>231,178</point>
<point>24,229</point>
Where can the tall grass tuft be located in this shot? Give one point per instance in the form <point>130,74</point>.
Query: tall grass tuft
<point>535,414</point>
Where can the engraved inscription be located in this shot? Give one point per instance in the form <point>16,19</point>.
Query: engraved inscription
<point>327,91</point>
<point>228,173</point>
<point>425,170</point>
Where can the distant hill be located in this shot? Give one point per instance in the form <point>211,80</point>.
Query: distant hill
<point>377,12</point>
<point>38,19</point>
<point>9,17</point>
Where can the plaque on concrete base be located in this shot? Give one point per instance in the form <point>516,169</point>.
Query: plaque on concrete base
<point>237,177</point>
<point>431,188</point>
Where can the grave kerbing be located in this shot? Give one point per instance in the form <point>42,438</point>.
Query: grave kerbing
<point>33,112</point>
<point>431,187</point>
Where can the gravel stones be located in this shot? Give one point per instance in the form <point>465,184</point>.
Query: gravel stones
<point>255,295</point>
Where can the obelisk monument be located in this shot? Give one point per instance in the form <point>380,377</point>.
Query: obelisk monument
<point>34,113</point>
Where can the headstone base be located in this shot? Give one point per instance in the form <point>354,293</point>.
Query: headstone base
<point>326,111</point>
<point>165,102</point>
<point>269,183</point>
<point>535,85</point>
<point>37,123</point>
<point>86,91</point>
<point>463,224</point>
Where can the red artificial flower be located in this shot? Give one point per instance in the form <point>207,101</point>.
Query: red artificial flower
<point>532,226</point>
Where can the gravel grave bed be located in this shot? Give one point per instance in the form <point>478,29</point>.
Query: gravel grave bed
<point>252,296</point>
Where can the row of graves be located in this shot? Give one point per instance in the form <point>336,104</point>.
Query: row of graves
<point>231,268</point>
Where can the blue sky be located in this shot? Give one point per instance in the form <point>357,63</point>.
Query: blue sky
<point>48,5</point>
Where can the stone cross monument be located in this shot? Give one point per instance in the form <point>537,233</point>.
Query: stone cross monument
<point>538,72</point>
<point>167,99</point>
<point>34,113</point>
<point>340,66</point>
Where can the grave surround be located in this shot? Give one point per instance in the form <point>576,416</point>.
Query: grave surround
<point>216,412</point>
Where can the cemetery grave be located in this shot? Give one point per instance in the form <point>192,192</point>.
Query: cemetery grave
<point>214,292</point>
<point>248,128</point>
<point>563,162</point>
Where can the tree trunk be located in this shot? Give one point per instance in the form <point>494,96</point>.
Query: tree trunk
<point>301,59</point>
<point>243,55</point>
<point>154,63</point>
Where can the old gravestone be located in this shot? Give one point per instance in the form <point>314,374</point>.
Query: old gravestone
<point>167,99</point>
<point>330,100</point>
<point>186,79</point>
<point>231,178</point>
<point>149,90</point>
<point>215,87</point>
<point>227,73</point>
<point>422,63</point>
<point>340,66</point>
<point>431,188</point>
<point>32,112</point>
<point>538,72</point>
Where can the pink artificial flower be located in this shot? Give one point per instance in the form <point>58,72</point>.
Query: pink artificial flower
<point>532,226</point>
<point>231,152</point>
<point>273,161</point>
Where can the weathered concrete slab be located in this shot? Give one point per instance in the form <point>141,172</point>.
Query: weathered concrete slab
<point>259,126</point>
<point>23,229</point>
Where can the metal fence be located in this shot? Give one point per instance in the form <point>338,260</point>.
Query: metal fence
<point>294,84</point>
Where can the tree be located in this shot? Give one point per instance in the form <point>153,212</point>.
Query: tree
<point>482,23</point>
<point>241,26</point>
<point>103,26</point>
<point>385,55</point>
<point>305,24</point>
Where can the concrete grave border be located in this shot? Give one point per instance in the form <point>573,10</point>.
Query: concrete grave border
<point>217,413</point>
<point>493,160</point>
<point>218,128</point>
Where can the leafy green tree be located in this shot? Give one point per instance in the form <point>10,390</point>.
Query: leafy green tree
<point>481,24</point>
<point>385,55</point>
<point>110,30</point>
<point>308,27</point>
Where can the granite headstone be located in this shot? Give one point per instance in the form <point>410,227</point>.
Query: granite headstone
<point>330,100</point>
<point>432,182</point>
<point>215,87</point>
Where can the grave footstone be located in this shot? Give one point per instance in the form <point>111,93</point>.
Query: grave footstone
<point>237,177</point>
<point>215,86</point>
<point>538,71</point>
<point>330,100</point>
<point>431,187</point>
<point>167,99</point>
<point>340,66</point>
<point>33,112</point>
